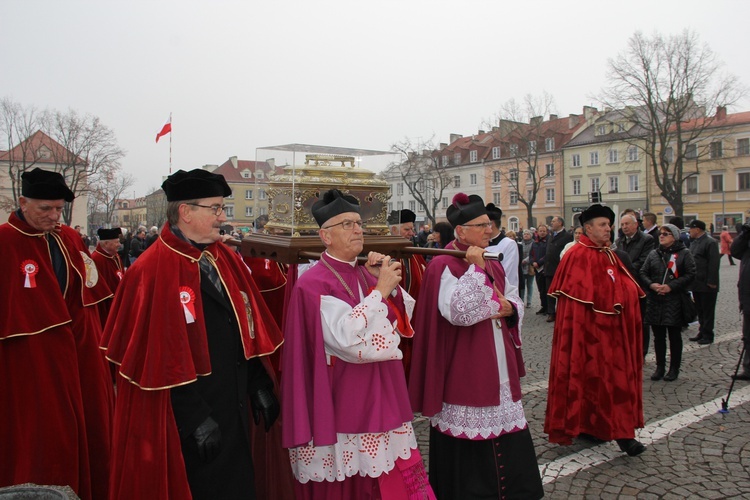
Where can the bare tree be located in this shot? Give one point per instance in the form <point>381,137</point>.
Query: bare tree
<point>420,169</point>
<point>156,207</point>
<point>668,87</point>
<point>89,148</point>
<point>17,125</point>
<point>522,127</point>
<point>108,187</point>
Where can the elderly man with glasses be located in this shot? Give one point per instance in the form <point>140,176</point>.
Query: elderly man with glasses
<point>187,330</point>
<point>466,369</point>
<point>347,419</point>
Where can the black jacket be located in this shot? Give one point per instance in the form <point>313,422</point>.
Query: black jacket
<point>705,251</point>
<point>555,245</point>
<point>538,253</point>
<point>666,310</point>
<point>638,248</point>
<point>741,250</point>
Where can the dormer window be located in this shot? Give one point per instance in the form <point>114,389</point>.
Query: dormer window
<point>601,129</point>
<point>258,174</point>
<point>245,174</point>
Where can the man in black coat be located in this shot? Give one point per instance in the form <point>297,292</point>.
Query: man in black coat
<point>705,288</point>
<point>537,257</point>
<point>637,245</point>
<point>741,250</point>
<point>558,238</point>
<point>650,227</point>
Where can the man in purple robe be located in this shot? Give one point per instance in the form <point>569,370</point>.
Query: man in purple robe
<point>346,414</point>
<point>466,369</point>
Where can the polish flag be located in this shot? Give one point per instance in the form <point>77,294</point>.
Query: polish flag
<point>672,264</point>
<point>167,128</point>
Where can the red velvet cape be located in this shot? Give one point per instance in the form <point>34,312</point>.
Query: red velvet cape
<point>111,271</point>
<point>412,286</point>
<point>595,382</point>
<point>148,336</point>
<point>454,364</point>
<point>49,349</point>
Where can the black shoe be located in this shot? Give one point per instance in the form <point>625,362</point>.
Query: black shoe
<point>658,374</point>
<point>631,446</point>
<point>542,311</point>
<point>705,341</point>
<point>696,338</point>
<point>741,376</point>
<point>551,318</point>
<point>671,375</point>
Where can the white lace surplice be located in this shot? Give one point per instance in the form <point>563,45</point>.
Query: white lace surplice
<point>466,301</point>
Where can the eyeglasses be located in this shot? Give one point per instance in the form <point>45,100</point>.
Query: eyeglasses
<point>348,225</point>
<point>218,209</point>
<point>665,234</point>
<point>483,225</point>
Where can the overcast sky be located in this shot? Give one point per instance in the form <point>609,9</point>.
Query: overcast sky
<point>239,75</point>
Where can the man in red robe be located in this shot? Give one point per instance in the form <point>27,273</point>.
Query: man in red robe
<point>108,264</point>
<point>595,381</point>
<point>402,224</point>
<point>55,395</point>
<point>187,329</point>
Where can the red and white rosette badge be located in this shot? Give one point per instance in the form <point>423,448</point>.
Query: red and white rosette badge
<point>119,274</point>
<point>187,298</point>
<point>29,268</point>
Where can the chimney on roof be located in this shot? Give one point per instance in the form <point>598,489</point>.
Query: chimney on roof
<point>536,120</point>
<point>495,129</point>
<point>233,159</point>
<point>481,132</point>
<point>455,137</point>
<point>573,120</point>
<point>589,112</point>
<point>721,112</point>
<point>443,145</point>
<point>271,163</point>
<point>552,117</point>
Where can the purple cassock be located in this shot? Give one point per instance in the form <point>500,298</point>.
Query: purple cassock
<point>346,408</point>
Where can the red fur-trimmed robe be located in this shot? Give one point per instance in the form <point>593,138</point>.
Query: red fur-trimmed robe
<point>111,271</point>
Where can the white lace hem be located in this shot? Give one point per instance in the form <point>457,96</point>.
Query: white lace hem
<point>485,422</point>
<point>364,454</point>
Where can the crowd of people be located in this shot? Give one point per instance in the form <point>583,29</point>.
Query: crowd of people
<point>171,367</point>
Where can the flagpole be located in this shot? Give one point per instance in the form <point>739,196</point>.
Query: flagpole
<point>170,144</point>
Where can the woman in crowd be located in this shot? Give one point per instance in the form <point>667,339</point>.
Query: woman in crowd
<point>577,232</point>
<point>441,235</point>
<point>527,271</point>
<point>668,271</point>
<point>725,241</point>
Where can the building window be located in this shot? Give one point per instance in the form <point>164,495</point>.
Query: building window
<point>261,194</point>
<point>594,158</point>
<point>420,208</point>
<point>495,152</point>
<point>248,194</point>
<point>390,206</point>
<point>457,181</point>
<point>445,203</point>
<point>550,195</point>
<point>412,205</point>
<point>514,149</point>
<point>248,211</point>
<point>445,161</point>
<point>691,185</point>
<point>258,174</point>
<point>245,174</point>
<point>496,199</point>
<point>669,155</point>
<point>620,128</point>
<point>595,184</point>
<point>473,156</point>
<point>514,175</point>
<point>601,129</point>
<point>614,184</point>
<point>550,169</point>
<point>632,153</point>
<point>457,159</point>
<point>229,210</point>
<point>576,186</point>
<point>514,198</point>
<point>473,179</point>
<point>715,150</point>
<point>549,144</point>
<point>420,186</point>
<point>513,224</point>
<point>717,182</point>
<point>532,147</point>
<point>691,151</point>
<point>400,205</point>
<point>743,181</point>
<point>400,189</point>
<point>263,211</point>
<point>576,158</point>
<point>743,147</point>
<point>613,156</point>
<point>496,176</point>
<point>633,183</point>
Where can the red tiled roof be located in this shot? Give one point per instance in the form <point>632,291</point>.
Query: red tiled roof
<point>28,150</point>
<point>729,120</point>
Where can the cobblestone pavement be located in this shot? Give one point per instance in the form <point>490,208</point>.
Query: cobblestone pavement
<point>693,451</point>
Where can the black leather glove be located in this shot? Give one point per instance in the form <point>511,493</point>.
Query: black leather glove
<point>264,402</point>
<point>208,438</point>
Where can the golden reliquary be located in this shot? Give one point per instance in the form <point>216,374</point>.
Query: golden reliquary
<point>292,194</point>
